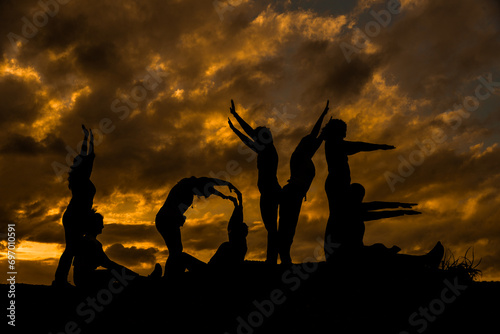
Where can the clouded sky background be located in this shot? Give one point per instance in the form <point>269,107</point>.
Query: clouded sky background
<point>155,79</point>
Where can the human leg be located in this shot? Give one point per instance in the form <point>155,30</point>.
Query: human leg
<point>71,236</point>
<point>291,203</point>
<point>269,211</point>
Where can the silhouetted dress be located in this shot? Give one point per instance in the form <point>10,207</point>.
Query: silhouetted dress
<point>77,211</point>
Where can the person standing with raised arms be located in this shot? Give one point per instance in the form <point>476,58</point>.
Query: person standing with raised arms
<point>79,209</point>
<point>302,172</point>
<point>260,140</point>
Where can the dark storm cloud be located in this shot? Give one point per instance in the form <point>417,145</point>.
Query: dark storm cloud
<point>20,103</point>
<point>434,49</point>
<point>207,236</point>
<point>117,233</point>
<point>25,145</point>
<point>131,256</point>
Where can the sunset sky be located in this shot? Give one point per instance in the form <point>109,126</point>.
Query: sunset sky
<point>154,79</point>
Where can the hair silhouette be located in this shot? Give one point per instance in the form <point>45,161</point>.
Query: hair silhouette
<point>79,208</point>
<point>171,217</point>
<point>302,172</point>
<point>260,140</point>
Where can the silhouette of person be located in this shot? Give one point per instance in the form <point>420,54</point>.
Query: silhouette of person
<point>90,255</point>
<point>349,231</point>
<point>337,151</point>
<point>231,253</point>
<point>338,181</point>
<point>302,172</point>
<point>171,217</point>
<point>79,207</point>
<point>260,140</point>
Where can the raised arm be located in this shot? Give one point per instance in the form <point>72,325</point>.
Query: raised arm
<point>91,143</point>
<point>317,126</point>
<point>353,147</point>
<point>244,125</point>
<point>202,182</point>
<point>247,141</point>
<point>386,205</point>
<point>368,216</point>
<point>84,149</point>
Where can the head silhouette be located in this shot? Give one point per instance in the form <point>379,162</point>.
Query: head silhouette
<point>263,135</point>
<point>95,223</point>
<point>357,192</point>
<point>335,129</point>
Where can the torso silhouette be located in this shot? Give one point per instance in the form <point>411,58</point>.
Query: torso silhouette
<point>347,226</point>
<point>267,166</point>
<point>82,189</point>
<point>179,199</point>
<point>302,170</point>
<point>89,255</point>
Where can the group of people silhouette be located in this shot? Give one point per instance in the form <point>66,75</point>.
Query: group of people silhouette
<point>279,206</point>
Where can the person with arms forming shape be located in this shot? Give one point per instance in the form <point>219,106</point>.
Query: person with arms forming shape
<point>348,213</point>
<point>338,182</point>
<point>171,217</point>
<point>230,254</point>
<point>260,140</point>
<point>349,231</point>
<point>302,172</point>
<point>79,209</point>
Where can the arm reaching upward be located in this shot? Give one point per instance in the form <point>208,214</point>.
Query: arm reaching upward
<point>368,216</point>
<point>246,127</point>
<point>247,141</point>
<point>386,205</point>
<point>91,142</point>
<point>83,151</point>
<point>317,126</point>
<point>353,147</point>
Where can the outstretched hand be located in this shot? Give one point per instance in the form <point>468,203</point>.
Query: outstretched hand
<point>326,108</point>
<point>230,123</point>
<point>388,147</point>
<point>408,205</point>
<point>85,131</point>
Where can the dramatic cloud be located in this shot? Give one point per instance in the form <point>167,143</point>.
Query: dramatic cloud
<point>154,80</point>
